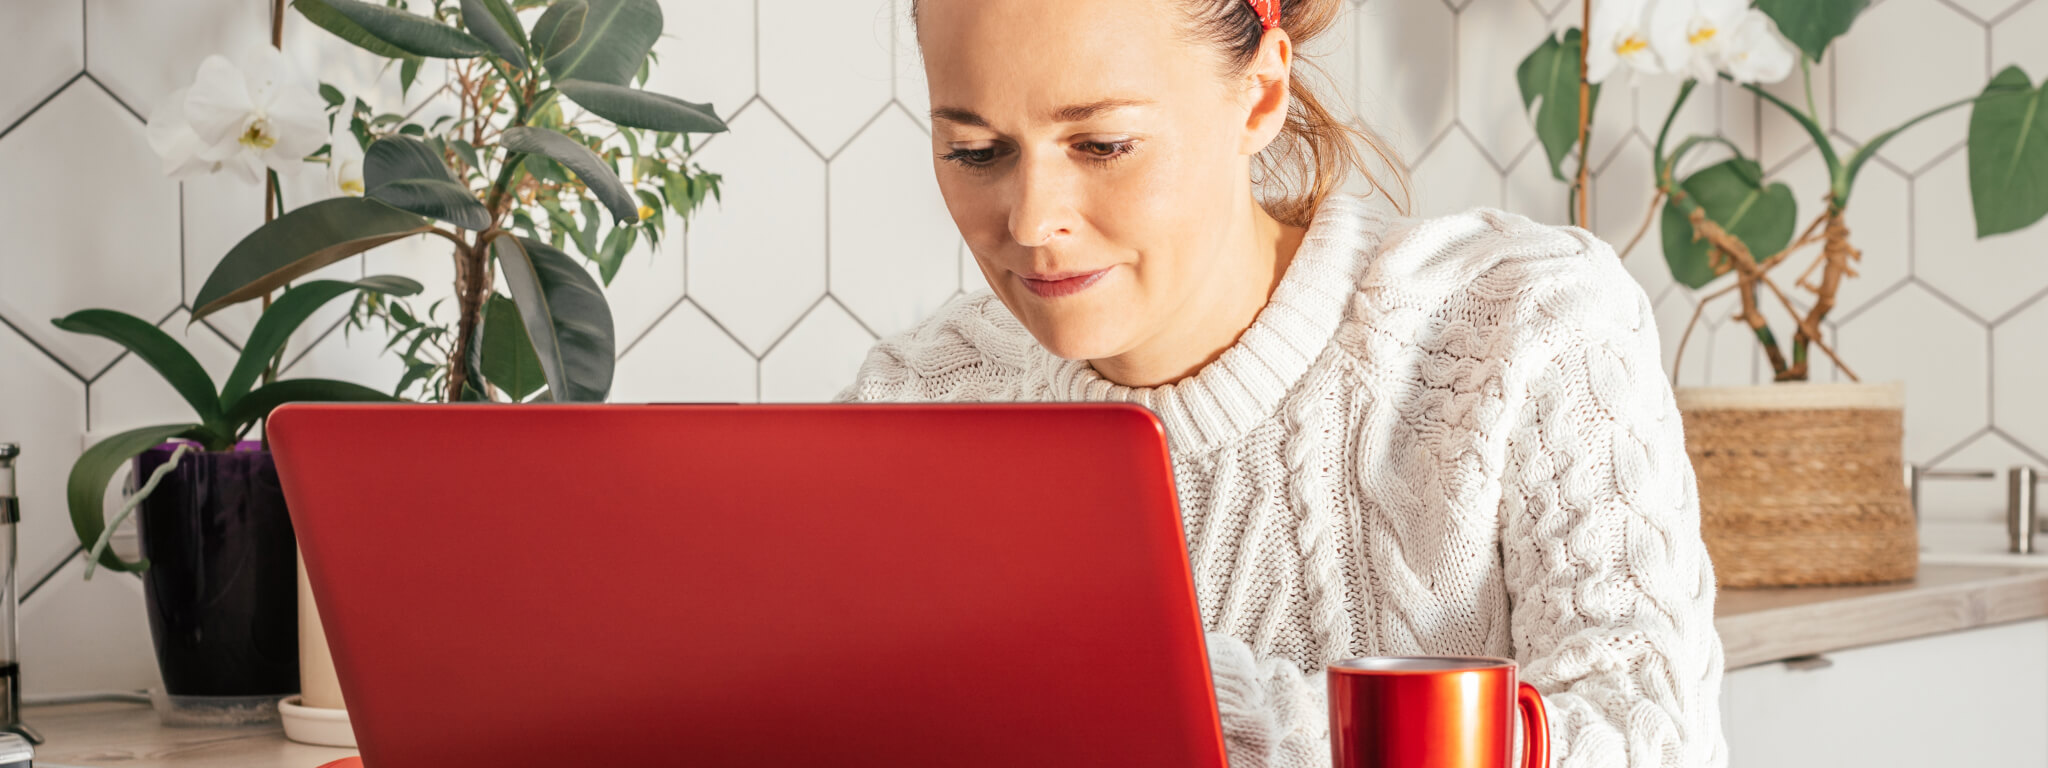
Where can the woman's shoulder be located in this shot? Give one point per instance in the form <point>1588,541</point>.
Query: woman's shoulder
<point>1505,261</point>
<point>1489,284</point>
<point>970,345</point>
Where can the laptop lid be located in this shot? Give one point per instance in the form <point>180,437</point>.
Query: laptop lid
<point>847,585</point>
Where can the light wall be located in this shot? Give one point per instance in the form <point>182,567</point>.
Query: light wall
<point>832,231</point>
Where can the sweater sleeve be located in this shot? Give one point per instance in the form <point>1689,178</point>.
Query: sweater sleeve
<point>1611,589</point>
<point>1273,716</point>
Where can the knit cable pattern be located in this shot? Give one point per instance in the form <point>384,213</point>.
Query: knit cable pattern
<point>1445,436</point>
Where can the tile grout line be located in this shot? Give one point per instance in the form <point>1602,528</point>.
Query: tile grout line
<point>40,104</point>
<point>45,350</point>
<point>116,97</point>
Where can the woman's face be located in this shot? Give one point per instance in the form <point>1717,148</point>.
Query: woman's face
<point>1095,160</point>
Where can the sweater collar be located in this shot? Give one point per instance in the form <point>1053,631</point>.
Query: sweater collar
<point>1246,384</point>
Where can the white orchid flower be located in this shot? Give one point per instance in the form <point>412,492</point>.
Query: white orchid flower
<point>344,160</point>
<point>1619,36</point>
<point>1690,34</point>
<point>1756,53</point>
<point>173,140</point>
<point>263,113</point>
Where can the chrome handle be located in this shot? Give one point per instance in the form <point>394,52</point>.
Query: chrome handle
<point>2020,517</point>
<point>1808,663</point>
<point>1916,473</point>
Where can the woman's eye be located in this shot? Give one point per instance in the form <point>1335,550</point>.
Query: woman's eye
<point>972,158</point>
<point>1105,150</point>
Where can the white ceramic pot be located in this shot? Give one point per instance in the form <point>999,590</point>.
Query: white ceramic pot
<point>317,715</point>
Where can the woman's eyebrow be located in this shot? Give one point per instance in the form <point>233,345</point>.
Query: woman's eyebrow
<point>1072,113</point>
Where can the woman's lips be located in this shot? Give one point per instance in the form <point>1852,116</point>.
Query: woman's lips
<point>1068,284</point>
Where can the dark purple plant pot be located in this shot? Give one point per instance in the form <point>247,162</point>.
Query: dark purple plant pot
<point>222,585</point>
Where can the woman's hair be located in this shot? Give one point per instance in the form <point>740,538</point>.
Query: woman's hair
<point>1317,151</point>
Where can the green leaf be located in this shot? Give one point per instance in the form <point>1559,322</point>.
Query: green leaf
<point>285,315</point>
<point>494,23</point>
<point>1869,149</point>
<point>508,359</point>
<point>308,238</point>
<point>588,167</point>
<point>326,17</point>
<point>2009,154</point>
<point>559,26</point>
<point>411,34</point>
<point>408,71</point>
<point>634,108</point>
<point>260,403</point>
<point>1549,78</point>
<point>158,349</point>
<point>613,42</point>
<point>546,170</point>
<point>1813,130</point>
<point>409,175</point>
<point>1735,198</point>
<point>566,317</point>
<point>613,254</point>
<point>85,492</point>
<point>332,95</point>
<point>1812,24</point>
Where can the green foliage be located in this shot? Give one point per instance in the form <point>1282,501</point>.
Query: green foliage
<point>1813,24</point>
<point>299,242</point>
<point>2009,154</point>
<point>515,179</point>
<point>224,415</point>
<point>565,314</point>
<point>411,34</point>
<point>507,360</point>
<point>405,173</point>
<point>1735,196</point>
<point>595,173</point>
<point>1549,78</point>
<point>610,44</point>
<point>635,108</point>
<point>498,26</point>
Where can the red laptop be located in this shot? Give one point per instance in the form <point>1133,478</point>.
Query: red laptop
<point>843,585</point>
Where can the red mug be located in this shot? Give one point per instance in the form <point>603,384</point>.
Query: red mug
<point>1435,711</point>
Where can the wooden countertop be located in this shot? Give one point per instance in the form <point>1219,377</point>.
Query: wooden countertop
<point>1758,626</point>
<point>124,735</point>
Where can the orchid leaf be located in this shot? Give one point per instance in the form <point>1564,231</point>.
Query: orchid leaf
<point>158,349</point>
<point>85,491</point>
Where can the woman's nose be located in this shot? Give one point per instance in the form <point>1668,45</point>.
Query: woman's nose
<point>1043,209</point>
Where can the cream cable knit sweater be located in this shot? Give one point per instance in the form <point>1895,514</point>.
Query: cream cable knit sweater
<point>1440,436</point>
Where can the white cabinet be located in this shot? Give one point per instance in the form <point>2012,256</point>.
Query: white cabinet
<point>1974,698</point>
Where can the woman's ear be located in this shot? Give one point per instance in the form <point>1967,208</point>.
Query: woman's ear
<point>1265,91</point>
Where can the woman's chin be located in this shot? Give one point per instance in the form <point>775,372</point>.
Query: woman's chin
<point>1071,327</point>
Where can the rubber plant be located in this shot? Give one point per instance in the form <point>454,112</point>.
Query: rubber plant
<point>222,416</point>
<point>527,166</point>
<point>1727,217</point>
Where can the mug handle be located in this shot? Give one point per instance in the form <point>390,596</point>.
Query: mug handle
<point>1535,727</point>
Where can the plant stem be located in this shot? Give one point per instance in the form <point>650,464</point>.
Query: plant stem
<point>1806,71</point>
<point>272,194</point>
<point>1582,186</point>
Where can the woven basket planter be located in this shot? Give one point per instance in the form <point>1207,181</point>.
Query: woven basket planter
<point>1802,484</point>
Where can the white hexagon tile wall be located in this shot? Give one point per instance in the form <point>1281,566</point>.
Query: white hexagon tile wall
<point>831,230</point>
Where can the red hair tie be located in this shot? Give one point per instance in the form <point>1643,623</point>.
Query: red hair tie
<point>1268,11</point>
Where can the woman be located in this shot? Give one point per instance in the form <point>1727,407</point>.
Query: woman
<point>1391,437</point>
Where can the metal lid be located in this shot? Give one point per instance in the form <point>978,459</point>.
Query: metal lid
<point>9,450</point>
<point>15,750</point>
